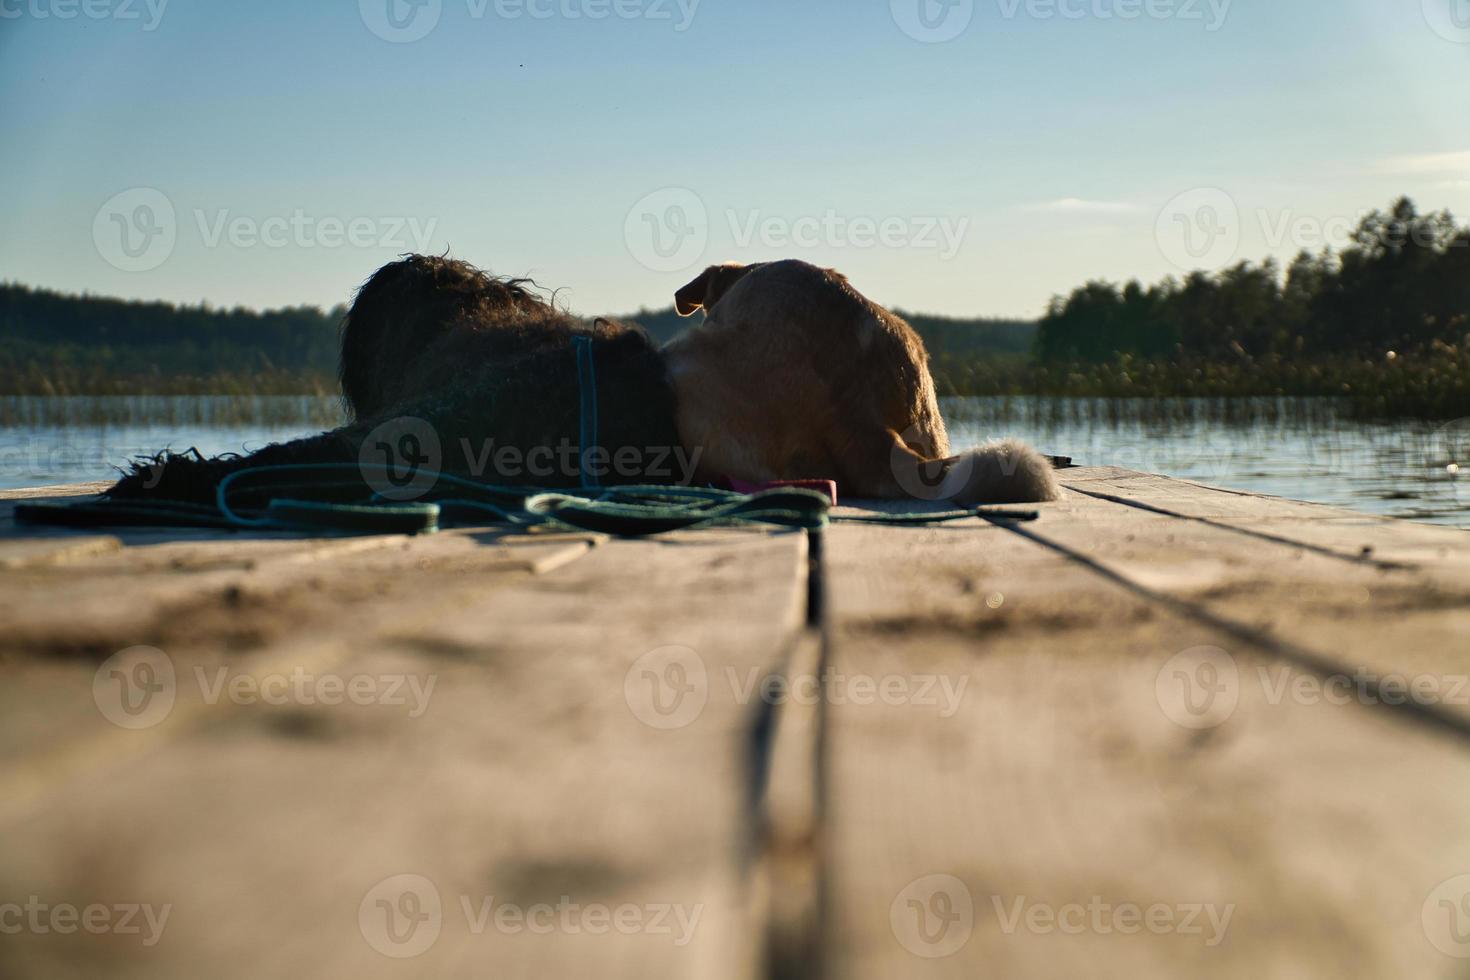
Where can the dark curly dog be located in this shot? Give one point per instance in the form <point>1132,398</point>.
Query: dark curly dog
<point>492,369</point>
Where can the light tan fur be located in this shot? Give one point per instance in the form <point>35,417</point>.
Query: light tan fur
<point>794,374</point>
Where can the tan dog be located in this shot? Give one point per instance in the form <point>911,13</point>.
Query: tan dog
<point>796,375</point>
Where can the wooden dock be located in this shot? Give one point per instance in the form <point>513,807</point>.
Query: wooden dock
<point>1166,731</point>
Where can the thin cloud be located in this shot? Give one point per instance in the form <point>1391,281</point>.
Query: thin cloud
<point>1430,164</point>
<point>1076,205</point>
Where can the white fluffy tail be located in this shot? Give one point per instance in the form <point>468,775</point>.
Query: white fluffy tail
<point>1003,472</point>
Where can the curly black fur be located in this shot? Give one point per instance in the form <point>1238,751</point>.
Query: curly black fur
<point>484,361</point>
<point>407,307</point>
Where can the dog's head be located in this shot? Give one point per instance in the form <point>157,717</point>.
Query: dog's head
<point>408,305</point>
<point>714,282</point>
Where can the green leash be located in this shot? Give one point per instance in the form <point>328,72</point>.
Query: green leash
<point>314,498</point>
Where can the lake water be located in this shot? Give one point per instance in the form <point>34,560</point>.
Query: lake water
<point>1292,448</point>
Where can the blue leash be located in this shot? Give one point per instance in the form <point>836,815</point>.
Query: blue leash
<point>587,383</point>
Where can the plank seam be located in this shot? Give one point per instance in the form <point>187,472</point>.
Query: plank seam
<point>789,791</point>
<point>1431,714</point>
<point>1359,559</point>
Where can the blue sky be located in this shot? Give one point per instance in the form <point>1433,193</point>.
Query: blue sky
<point>975,160</point>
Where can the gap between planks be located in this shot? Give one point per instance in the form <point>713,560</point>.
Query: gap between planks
<point>1364,557</point>
<point>789,868</point>
<point>1430,713</point>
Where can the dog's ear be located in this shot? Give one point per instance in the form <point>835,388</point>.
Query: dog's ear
<point>690,299</point>
<point>704,292</point>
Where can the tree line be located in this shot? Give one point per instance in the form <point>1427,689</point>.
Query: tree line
<point>1383,322</point>
<point>46,330</point>
<point>1401,285</point>
<point>42,327</point>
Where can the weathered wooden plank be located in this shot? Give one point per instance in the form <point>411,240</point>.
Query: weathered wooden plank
<point>238,589</point>
<point>1348,534</point>
<point>52,493</point>
<point>1034,783</point>
<point>562,760</point>
<point>29,552</point>
<point>216,605</point>
<point>1354,624</point>
<point>1025,733</point>
<point>10,499</point>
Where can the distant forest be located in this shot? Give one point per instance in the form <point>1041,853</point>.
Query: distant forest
<point>53,343</point>
<point>1384,324</point>
<point>1403,285</point>
<point>56,344</point>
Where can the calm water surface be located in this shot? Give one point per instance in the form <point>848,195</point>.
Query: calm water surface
<point>1297,448</point>
<point>1292,448</point>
